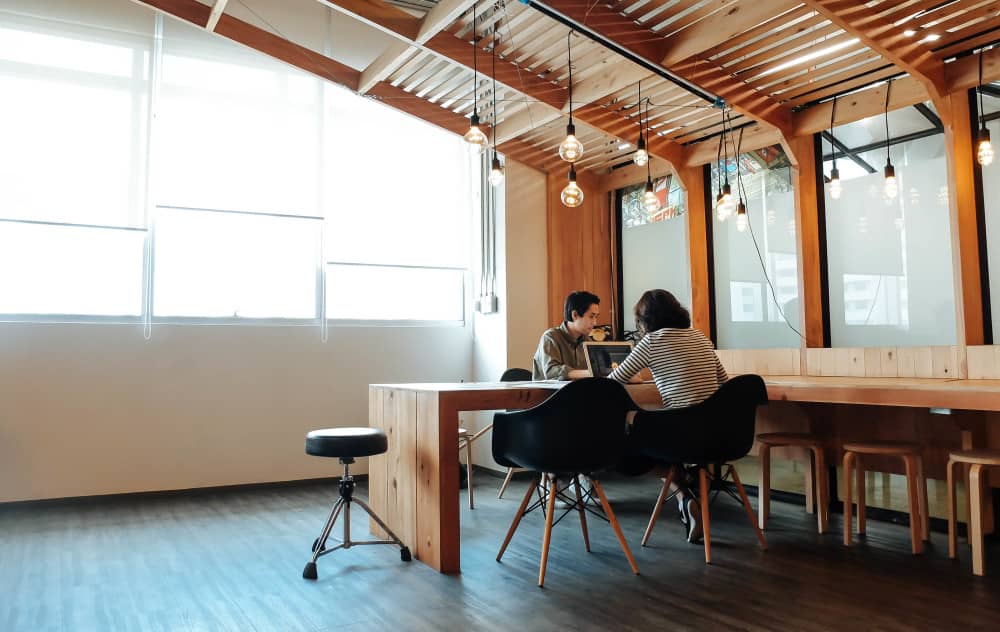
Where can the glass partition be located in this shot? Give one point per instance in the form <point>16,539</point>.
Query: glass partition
<point>756,269</point>
<point>889,256</point>
<point>991,203</point>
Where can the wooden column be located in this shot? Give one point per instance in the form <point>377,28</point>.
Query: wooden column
<point>693,181</point>
<point>802,152</point>
<point>959,136</point>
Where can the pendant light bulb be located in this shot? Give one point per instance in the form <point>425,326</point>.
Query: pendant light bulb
<point>835,187</point>
<point>649,200</point>
<point>984,153</point>
<point>741,217</point>
<point>496,172</point>
<point>725,206</point>
<point>641,156</point>
<point>475,136</point>
<point>572,194</point>
<point>890,188</point>
<point>571,149</point>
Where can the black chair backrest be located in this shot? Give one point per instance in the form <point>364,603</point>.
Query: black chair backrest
<point>580,429</point>
<point>718,430</point>
<point>516,375</point>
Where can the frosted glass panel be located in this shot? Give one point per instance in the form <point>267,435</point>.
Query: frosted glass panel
<point>654,253</point>
<point>890,270</point>
<point>991,199</point>
<point>747,314</point>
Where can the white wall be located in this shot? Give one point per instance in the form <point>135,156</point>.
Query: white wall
<point>508,338</point>
<point>95,409</point>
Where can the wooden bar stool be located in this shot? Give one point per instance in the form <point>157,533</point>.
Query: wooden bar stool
<point>916,486</point>
<point>977,460</point>
<point>817,487</point>
<point>465,441</point>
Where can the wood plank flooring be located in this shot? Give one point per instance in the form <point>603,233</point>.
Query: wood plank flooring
<point>232,560</point>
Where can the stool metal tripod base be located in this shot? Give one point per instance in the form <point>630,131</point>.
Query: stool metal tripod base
<point>343,505</point>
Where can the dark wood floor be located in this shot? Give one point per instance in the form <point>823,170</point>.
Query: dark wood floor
<point>232,560</point>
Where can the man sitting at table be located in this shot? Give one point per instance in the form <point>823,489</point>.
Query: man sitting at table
<point>560,354</point>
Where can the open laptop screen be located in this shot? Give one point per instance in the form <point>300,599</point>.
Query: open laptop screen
<point>604,357</point>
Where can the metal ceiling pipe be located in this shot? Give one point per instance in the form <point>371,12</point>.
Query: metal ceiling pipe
<point>651,65</point>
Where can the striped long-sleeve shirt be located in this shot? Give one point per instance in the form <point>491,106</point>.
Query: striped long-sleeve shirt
<point>684,365</point>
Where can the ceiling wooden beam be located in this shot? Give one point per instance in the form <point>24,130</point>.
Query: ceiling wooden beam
<point>735,18</point>
<point>213,18</point>
<point>653,49</point>
<point>707,151</point>
<point>882,36</point>
<point>196,13</point>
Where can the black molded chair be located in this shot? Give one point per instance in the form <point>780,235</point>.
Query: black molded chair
<point>715,432</point>
<point>512,375</point>
<point>347,444</point>
<point>579,430</point>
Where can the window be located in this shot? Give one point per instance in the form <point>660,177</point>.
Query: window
<point>756,271</point>
<point>654,249</point>
<point>235,265</point>
<point>885,255</point>
<point>991,200</point>
<point>395,293</point>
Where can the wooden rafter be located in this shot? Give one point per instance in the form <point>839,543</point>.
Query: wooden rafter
<point>213,18</point>
<point>652,48</point>
<point>457,50</point>
<point>880,34</point>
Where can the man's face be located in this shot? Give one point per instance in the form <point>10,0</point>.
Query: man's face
<point>586,323</point>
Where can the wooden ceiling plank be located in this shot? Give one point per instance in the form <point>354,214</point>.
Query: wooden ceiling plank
<point>218,7</point>
<point>397,54</point>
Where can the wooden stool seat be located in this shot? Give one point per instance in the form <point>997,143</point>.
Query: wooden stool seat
<point>888,448</point>
<point>981,457</point>
<point>916,486</point>
<point>977,460</point>
<point>816,486</point>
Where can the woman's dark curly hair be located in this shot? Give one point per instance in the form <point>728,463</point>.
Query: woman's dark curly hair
<point>657,309</point>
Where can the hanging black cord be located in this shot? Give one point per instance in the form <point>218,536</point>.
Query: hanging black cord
<point>475,65</point>
<point>569,60</point>
<point>718,159</point>
<point>833,117</point>
<point>649,175</point>
<point>982,119</point>
<point>496,42</point>
<point>888,158</point>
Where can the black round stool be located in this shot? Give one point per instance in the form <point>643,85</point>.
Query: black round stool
<point>346,444</point>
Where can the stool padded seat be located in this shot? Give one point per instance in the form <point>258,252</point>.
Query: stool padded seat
<point>346,442</point>
<point>982,457</point>
<point>883,447</point>
<point>789,438</point>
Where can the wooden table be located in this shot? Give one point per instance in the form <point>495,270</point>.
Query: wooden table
<point>414,486</point>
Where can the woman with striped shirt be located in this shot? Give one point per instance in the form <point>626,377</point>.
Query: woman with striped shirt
<point>685,369</point>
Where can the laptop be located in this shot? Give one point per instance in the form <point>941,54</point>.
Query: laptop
<point>604,357</point>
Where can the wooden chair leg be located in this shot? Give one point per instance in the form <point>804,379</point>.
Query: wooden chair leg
<point>706,534</point>
<point>468,472</point>
<point>859,474</point>
<point>506,482</point>
<point>976,518</point>
<point>925,521</point>
<point>916,541</point>
<point>614,524</point>
<point>764,493</point>
<point>952,510</point>
<point>583,513</point>
<point>822,489</point>
<point>547,537</point>
<point>848,501</point>
<point>659,504</point>
<point>810,485</point>
<point>517,517</point>
<point>748,508</point>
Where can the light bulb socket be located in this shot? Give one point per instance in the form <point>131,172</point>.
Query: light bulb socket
<point>495,164</point>
<point>474,120</point>
<point>983,136</point>
<point>834,174</point>
<point>641,144</point>
<point>726,190</point>
<point>741,208</point>
<point>571,130</point>
<point>572,174</point>
<point>890,171</point>
<point>649,185</point>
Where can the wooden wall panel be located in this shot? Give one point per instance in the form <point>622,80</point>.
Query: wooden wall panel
<point>761,361</point>
<point>931,362</point>
<point>579,245</point>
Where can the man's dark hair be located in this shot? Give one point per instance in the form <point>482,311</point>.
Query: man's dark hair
<point>579,301</point>
<point>658,309</point>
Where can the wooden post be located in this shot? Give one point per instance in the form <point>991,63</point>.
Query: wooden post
<point>956,116</point>
<point>802,152</point>
<point>693,181</point>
